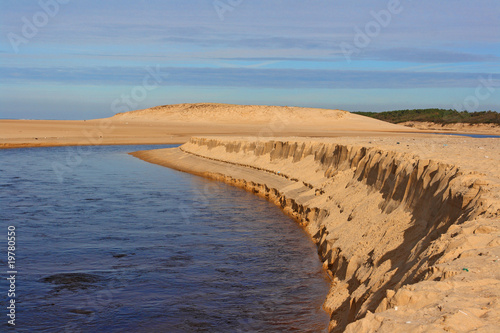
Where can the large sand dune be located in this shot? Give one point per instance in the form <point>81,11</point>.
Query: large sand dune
<point>177,123</point>
<point>232,113</point>
<point>297,119</point>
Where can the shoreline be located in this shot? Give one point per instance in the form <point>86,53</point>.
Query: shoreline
<point>176,124</point>
<point>458,128</point>
<point>182,140</point>
<point>29,145</point>
<point>402,270</point>
<point>61,133</point>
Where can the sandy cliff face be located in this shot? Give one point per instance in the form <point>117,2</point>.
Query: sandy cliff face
<point>411,244</point>
<point>488,129</point>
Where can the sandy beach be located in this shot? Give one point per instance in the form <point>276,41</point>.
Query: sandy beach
<point>171,124</point>
<point>486,129</point>
<point>406,228</point>
<point>177,123</point>
<point>405,222</point>
<point>251,166</point>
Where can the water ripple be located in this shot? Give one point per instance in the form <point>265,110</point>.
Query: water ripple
<point>123,245</point>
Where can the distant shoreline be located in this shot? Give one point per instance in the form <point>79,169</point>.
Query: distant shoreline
<point>481,122</point>
<point>42,133</point>
<point>467,128</point>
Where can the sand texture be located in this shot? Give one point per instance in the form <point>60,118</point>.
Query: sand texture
<point>487,129</point>
<point>177,123</point>
<point>407,228</point>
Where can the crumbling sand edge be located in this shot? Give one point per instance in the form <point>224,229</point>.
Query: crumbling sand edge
<point>458,128</point>
<point>392,231</point>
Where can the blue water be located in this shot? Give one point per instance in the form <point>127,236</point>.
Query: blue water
<point>484,136</point>
<point>109,243</point>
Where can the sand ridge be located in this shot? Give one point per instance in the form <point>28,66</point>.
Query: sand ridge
<point>294,119</point>
<point>411,243</point>
<point>177,123</point>
<point>169,124</point>
<point>231,113</point>
<point>487,129</point>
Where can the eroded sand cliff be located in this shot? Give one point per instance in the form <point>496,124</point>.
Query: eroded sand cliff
<point>486,129</point>
<point>411,243</point>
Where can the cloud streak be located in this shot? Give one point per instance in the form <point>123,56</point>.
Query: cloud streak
<point>428,56</point>
<point>442,47</point>
<point>247,77</point>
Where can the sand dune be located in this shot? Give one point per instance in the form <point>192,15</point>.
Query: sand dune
<point>231,113</point>
<point>407,229</point>
<point>293,117</point>
<point>177,123</point>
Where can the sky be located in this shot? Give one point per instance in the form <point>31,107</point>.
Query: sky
<point>76,59</point>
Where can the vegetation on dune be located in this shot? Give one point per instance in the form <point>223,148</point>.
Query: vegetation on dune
<point>440,116</point>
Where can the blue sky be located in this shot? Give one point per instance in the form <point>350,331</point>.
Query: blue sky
<point>75,59</point>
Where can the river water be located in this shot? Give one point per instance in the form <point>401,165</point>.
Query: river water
<point>108,243</point>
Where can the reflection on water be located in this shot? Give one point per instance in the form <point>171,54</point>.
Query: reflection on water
<point>123,245</point>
